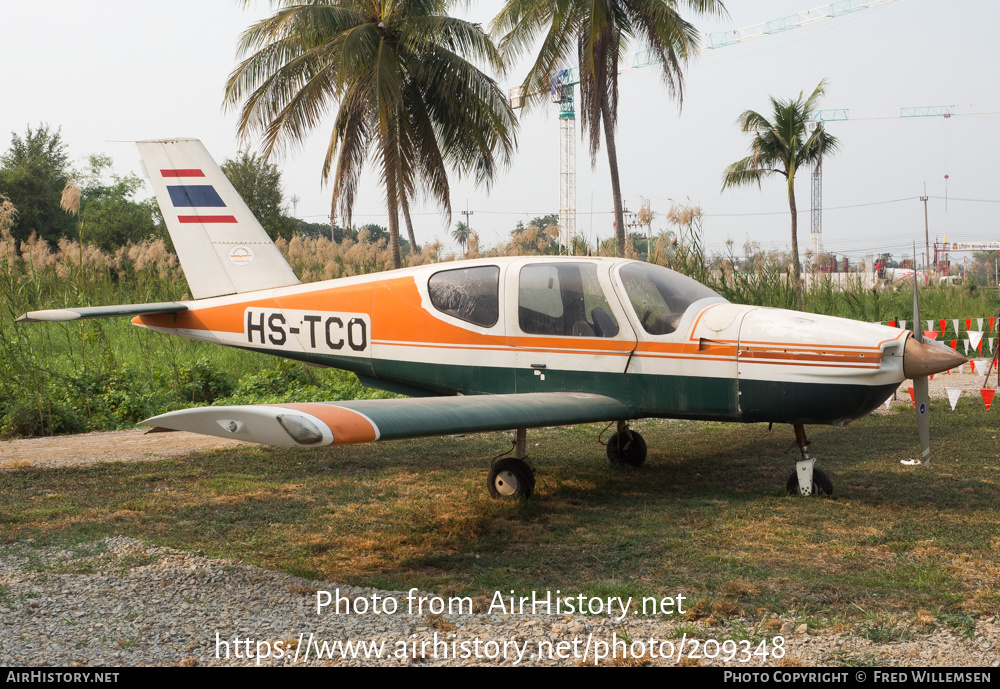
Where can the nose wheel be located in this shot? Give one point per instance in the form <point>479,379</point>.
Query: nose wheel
<point>821,484</point>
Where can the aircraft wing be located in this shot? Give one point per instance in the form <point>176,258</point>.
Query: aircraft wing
<point>78,312</point>
<point>314,424</point>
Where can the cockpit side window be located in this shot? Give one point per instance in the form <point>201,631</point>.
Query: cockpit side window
<point>470,294</point>
<point>564,299</point>
<point>660,296</point>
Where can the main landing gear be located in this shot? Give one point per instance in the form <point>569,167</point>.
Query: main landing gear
<point>515,476</point>
<point>626,447</point>
<point>806,479</point>
<point>512,476</point>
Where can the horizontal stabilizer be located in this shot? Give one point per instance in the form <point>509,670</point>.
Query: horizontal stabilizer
<point>314,424</point>
<point>79,312</point>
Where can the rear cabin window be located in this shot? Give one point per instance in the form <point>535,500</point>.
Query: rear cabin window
<point>564,299</point>
<point>470,294</point>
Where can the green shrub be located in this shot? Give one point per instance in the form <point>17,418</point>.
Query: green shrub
<point>200,381</point>
<point>26,418</point>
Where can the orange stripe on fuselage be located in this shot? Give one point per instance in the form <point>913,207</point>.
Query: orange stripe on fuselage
<point>229,317</point>
<point>749,354</point>
<point>400,316</point>
<point>393,305</point>
<point>348,426</point>
<point>666,348</point>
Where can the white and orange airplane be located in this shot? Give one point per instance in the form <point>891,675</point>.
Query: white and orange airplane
<point>502,343</point>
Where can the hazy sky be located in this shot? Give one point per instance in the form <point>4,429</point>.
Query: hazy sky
<point>115,71</point>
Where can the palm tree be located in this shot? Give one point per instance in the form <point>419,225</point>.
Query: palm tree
<point>781,147</point>
<point>461,234</point>
<point>597,33</point>
<point>408,95</point>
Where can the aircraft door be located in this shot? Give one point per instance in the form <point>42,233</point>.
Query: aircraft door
<point>566,328</point>
<point>685,362</point>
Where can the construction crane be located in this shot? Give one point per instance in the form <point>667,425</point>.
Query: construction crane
<point>564,83</point>
<point>844,114</point>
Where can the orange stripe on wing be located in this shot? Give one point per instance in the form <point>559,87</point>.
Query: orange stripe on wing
<point>348,426</point>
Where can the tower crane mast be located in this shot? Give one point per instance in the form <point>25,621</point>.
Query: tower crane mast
<point>845,114</point>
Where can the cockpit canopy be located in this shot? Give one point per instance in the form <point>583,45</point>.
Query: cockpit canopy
<point>567,298</point>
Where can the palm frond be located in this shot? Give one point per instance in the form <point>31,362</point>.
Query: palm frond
<point>410,96</point>
<point>744,173</point>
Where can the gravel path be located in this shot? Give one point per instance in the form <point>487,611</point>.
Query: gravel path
<point>110,446</point>
<point>121,602</point>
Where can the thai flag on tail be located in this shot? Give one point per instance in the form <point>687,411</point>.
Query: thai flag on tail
<point>196,197</point>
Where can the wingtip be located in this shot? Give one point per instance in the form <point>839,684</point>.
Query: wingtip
<point>48,316</point>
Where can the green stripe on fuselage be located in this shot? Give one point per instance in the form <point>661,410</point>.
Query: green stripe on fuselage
<point>648,396</point>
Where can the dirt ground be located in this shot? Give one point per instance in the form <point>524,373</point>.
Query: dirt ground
<point>138,446</point>
<point>105,446</point>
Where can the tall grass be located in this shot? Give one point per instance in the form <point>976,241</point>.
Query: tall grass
<point>103,374</point>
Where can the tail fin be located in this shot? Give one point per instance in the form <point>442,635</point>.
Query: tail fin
<point>221,246</point>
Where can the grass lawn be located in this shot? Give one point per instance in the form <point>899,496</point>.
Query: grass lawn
<point>706,517</point>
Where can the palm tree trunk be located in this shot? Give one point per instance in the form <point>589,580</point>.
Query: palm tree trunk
<point>796,267</point>
<point>397,259</point>
<point>616,190</point>
<point>392,205</point>
<point>409,227</point>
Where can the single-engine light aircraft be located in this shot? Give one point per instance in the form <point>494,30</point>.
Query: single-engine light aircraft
<point>502,343</point>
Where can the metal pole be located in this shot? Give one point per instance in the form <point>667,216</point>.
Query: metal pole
<point>927,235</point>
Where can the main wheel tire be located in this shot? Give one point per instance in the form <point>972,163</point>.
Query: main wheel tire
<point>822,485</point>
<point>510,477</point>
<point>630,451</point>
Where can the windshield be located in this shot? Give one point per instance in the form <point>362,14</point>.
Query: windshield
<point>659,296</point>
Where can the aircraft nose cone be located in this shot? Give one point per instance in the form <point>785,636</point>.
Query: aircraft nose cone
<point>926,359</point>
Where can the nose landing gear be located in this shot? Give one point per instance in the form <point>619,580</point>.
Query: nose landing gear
<point>806,479</point>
